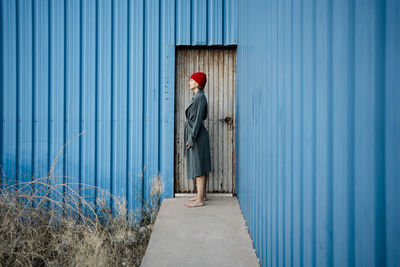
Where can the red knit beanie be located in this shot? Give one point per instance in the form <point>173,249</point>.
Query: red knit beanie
<point>200,78</point>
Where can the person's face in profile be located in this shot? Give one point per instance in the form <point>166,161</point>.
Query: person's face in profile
<point>193,84</point>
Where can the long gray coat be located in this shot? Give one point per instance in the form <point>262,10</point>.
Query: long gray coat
<point>198,158</point>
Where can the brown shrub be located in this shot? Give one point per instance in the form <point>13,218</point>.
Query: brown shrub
<point>47,224</point>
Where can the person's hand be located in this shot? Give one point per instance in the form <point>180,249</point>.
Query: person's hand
<point>187,145</point>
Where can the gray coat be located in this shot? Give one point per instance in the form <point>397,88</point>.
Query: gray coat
<point>198,158</point>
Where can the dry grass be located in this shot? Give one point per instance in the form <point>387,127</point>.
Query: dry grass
<point>48,224</point>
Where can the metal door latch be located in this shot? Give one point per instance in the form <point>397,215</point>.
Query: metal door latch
<point>227,120</point>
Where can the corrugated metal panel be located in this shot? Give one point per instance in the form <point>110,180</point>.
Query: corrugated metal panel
<point>220,67</point>
<point>318,131</point>
<point>206,22</point>
<point>103,67</point>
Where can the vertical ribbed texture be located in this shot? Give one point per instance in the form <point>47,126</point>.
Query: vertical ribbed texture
<point>104,70</point>
<point>392,129</point>
<point>206,22</point>
<point>317,130</point>
<point>317,185</point>
<point>75,77</point>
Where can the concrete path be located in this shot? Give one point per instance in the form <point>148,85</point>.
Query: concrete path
<point>211,235</point>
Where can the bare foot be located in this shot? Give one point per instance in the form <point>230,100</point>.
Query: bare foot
<point>194,204</point>
<point>195,198</point>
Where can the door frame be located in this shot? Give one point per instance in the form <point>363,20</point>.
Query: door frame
<point>173,69</point>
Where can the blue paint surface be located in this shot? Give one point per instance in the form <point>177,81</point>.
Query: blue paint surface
<point>317,136</point>
<point>317,111</point>
<point>105,69</point>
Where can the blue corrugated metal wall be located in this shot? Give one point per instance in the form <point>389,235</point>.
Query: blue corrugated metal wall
<point>317,110</point>
<point>318,130</point>
<point>103,67</point>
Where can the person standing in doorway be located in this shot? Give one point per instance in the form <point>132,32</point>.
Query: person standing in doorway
<point>196,139</point>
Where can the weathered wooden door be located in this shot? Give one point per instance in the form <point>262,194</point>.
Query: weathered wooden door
<point>219,64</point>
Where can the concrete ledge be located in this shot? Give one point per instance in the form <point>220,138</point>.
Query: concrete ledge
<point>212,235</point>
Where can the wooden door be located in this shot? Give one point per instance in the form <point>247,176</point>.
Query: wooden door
<point>219,64</point>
